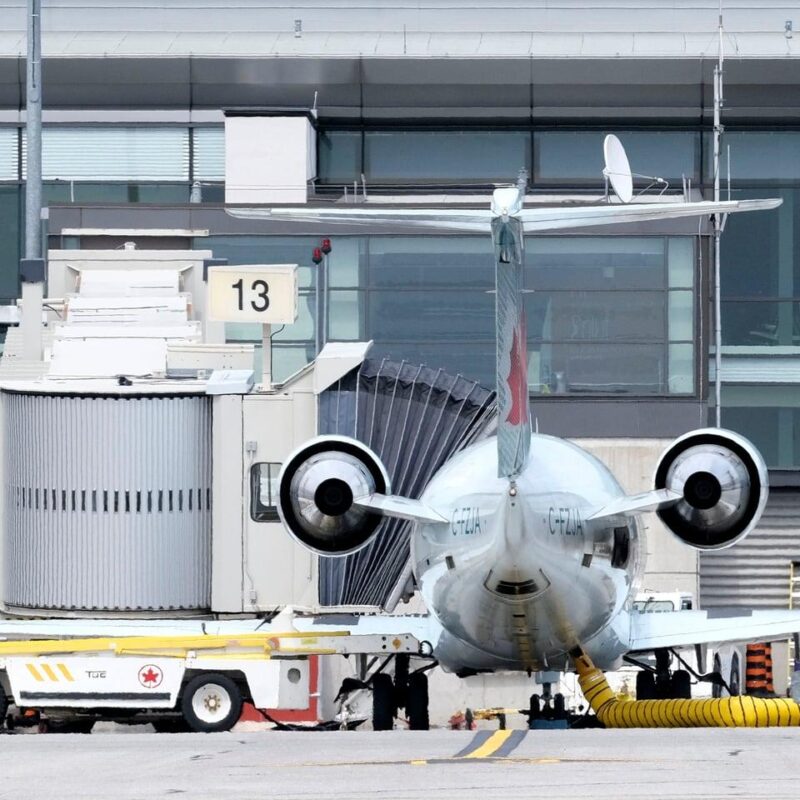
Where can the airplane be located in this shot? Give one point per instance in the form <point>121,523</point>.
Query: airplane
<point>524,547</point>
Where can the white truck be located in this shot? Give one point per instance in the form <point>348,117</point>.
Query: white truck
<point>198,680</point>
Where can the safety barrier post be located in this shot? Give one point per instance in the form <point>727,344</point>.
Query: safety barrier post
<point>756,669</point>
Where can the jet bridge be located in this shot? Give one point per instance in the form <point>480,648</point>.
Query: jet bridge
<point>414,418</point>
<point>140,454</point>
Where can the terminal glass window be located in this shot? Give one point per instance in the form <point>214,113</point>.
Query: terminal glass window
<point>575,158</point>
<point>264,491</point>
<point>430,157</point>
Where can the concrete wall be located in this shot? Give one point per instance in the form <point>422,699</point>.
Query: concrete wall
<point>670,566</point>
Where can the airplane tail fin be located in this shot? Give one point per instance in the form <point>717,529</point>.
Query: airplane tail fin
<point>514,425</point>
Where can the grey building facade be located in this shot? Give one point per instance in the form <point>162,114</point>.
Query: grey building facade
<point>438,102</point>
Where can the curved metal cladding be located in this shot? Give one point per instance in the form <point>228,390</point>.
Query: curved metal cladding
<point>107,502</point>
<point>414,419</point>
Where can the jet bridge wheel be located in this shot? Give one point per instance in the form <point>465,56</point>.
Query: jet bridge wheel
<point>211,702</point>
<point>417,702</point>
<point>383,702</point>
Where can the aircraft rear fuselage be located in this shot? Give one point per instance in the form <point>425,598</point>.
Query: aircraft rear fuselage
<point>519,575</point>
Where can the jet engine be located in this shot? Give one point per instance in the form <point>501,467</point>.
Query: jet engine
<point>317,486</point>
<point>722,480</point>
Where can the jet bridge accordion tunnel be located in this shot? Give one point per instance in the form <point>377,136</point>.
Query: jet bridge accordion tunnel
<point>107,502</point>
<point>724,712</point>
<point>414,419</point>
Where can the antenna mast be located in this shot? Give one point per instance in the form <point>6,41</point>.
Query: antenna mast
<point>718,221</point>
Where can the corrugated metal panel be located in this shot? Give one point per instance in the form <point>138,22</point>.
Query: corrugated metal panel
<point>107,502</point>
<point>755,572</point>
<point>8,153</point>
<point>113,153</point>
<point>414,418</point>
<point>209,154</point>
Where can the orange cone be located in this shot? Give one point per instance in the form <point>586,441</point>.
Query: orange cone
<point>756,669</point>
<point>770,681</point>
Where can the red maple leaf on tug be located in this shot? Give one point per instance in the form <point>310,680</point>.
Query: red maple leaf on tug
<point>150,676</point>
<point>518,376</point>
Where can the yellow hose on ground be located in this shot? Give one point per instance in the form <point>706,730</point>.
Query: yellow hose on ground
<point>726,712</point>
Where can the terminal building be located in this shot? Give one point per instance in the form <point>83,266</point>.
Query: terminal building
<point>158,120</point>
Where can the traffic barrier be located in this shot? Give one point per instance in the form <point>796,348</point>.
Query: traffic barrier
<point>755,675</point>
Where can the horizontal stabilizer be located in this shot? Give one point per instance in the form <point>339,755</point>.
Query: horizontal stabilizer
<point>637,504</point>
<point>399,507</point>
<point>715,626</point>
<point>479,220</point>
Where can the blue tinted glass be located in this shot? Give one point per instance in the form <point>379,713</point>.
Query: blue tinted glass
<point>564,157</point>
<point>596,316</point>
<point>457,261</point>
<point>339,156</point>
<point>426,157</point>
<point>581,262</point>
<point>431,315</point>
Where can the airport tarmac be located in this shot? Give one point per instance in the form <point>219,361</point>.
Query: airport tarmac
<point>445,765</point>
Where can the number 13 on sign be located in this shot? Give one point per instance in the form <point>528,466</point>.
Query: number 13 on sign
<point>261,293</point>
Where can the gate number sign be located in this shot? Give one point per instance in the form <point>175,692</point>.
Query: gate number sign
<point>265,293</point>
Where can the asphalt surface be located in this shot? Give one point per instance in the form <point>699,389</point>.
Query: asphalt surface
<point>445,765</point>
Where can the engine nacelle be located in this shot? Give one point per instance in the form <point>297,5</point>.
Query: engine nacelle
<point>317,486</point>
<point>724,486</point>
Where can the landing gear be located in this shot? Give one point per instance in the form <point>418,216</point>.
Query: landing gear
<point>407,690</point>
<point>548,710</point>
<point>663,683</point>
<point>417,702</point>
<point>681,685</point>
<point>645,685</point>
<point>383,706</point>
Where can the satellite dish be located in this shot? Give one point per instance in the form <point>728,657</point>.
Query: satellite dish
<point>617,169</point>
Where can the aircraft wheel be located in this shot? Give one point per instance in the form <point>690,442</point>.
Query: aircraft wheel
<point>681,685</point>
<point>645,685</point>
<point>417,702</point>
<point>716,689</point>
<point>559,707</point>
<point>211,703</point>
<point>535,709</point>
<point>736,681</point>
<point>383,707</point>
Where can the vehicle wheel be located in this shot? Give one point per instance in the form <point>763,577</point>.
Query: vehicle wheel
<point>736,681</point>
<point>383,708</point>
<point>417,702</point>
<point>645,685</point>
<point>681,685</point>
<point>559,707</point>
<point>469,719</point>
<point>716,689</point>
<point>211,703</point>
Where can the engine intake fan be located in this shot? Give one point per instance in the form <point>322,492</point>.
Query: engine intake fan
<point>724,486</point>
<point>318,484</point>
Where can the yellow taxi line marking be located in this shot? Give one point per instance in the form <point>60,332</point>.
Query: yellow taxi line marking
<point>35,672</point>
<point>420,762</point>
<point>48,670</point>
<point>64,669</point>
<point>491,745</point>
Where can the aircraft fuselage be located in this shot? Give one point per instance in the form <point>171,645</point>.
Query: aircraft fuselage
<point>519,575</point>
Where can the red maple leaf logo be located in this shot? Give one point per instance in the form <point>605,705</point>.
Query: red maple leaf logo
<point>150,676</point>
<point>518,376</point>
